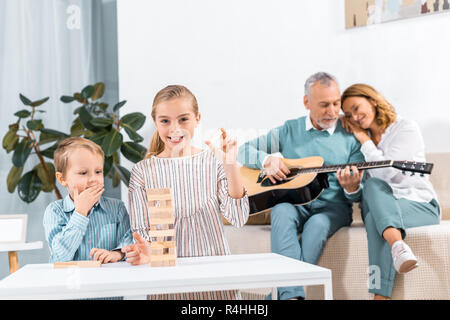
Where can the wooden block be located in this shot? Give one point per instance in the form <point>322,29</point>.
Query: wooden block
<point>158,251</point>
<point>168,211</point>
<point>162,244</point>
<point>158,216</point>
<point>163,257</point>
<point>78,264</point>
<point>158,194</point>
<point>157,221</point>
<point>161,233</point>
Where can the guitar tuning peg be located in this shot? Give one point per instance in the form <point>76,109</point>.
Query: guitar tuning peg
<point>422,175</point>
<point>403,172</point>
<point>412,173</point>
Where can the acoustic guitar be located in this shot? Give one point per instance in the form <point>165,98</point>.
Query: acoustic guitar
<point>307,180</point>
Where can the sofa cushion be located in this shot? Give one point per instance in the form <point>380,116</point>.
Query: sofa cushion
<point>440,179</point>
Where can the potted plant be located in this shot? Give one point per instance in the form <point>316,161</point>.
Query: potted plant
<point>94,120</point>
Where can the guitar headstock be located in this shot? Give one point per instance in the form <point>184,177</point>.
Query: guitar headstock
<point>419,167</point>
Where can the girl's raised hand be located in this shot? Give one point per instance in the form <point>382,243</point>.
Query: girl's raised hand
<point>226,152</point>
<point>139,252</point>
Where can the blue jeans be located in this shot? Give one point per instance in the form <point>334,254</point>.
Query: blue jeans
<point>380,210</point>
<point>316,222</point>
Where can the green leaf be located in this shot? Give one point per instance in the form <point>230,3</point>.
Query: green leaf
<point>133,135</point>
<point>115,179</point>
<point>57,133</point>
<point>99,90</point>
<point>10,140</point>
<point>102,105</point>
<point>39,102</point>
<point>79,98</point>
<point>133,151</point>
<point>46,138</point>
<point>14,127</point>
<point>87,92</point>
<point>67,99</point>
<point>22,113</point>
<point>86,118</point>
<point>13,178</point>
<point>133,120</point>
<point>50,135</point>
<point>77,110</point>
<point>119,105</point>
<point>35,124</point>
<point>123,173</point>
<point>49,151</point>
<point>47,181</point>
<point>112,142</point>
<point>25,100</point>
<point>77,128</point>
<point>29,186</point>
<point>21,152</point>
<point>107,165</point>
<point>98,137</point>
<point>88,133</point>
<point>102,122</point>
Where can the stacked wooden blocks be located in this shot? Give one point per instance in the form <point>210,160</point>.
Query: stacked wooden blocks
<point>162,231</point>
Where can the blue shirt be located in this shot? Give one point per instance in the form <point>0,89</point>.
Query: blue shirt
<point>71,236</point>
<point>295,139</point>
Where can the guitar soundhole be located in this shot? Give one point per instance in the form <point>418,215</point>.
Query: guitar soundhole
<point>293,173</point>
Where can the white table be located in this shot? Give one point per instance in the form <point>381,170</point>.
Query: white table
<point>244,271</point>
<point>12,249</point>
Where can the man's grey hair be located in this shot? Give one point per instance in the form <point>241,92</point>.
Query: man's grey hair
<point>322,77</point>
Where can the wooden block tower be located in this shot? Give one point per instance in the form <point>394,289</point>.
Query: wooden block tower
<point>162,231</point>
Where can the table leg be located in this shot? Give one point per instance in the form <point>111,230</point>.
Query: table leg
<point>13,261</point>
<point>328,290</point>
<point>142,297</point>
<point>274,293</point>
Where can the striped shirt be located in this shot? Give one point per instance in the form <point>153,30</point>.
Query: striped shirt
<point>71,236</point>
<point>200,198</point>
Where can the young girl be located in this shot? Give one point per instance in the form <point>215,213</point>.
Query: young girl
<point>205,185</point>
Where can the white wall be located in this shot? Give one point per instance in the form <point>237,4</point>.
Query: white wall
<point>246,61</point>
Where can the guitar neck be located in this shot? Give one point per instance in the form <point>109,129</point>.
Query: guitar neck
<point>359,165</point>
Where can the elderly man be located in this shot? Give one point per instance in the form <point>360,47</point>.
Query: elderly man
<point>317,134</point>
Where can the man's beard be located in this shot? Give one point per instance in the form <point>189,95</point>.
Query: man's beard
<point>328,125</point>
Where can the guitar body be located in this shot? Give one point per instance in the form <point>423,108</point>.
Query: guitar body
<point>299,190</point>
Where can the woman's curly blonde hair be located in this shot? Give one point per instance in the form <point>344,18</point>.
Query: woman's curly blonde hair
<point>384,112</point>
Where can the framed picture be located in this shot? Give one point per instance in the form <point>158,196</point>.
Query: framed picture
<point>366,12</point>
<point>13,228</point>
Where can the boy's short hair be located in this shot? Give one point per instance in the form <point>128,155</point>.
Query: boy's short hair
<point>62,152</point>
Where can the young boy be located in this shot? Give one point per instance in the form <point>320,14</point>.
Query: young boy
<point>84,225</point>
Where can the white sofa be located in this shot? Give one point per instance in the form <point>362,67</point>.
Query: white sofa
<point>346,252</point>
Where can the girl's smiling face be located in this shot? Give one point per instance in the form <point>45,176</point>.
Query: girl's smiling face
<point>175,121</point>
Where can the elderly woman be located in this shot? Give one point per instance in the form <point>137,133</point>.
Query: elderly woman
<point>392,202</point>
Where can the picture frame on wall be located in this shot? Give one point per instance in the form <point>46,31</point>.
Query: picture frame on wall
<point>359,13</point>
<point>13,228</point>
